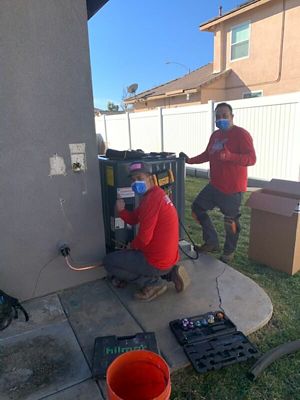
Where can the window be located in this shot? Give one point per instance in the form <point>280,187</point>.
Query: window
<point>240,37</point>
<point>256,93</point>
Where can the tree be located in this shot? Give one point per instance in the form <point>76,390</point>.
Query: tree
<point>112,107</point>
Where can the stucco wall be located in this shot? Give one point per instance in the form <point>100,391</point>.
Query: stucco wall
<point>264,69</point>
<point>46,104</point>
<point>214,91</point>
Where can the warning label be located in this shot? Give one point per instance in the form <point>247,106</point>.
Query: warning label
<point>125,192</point>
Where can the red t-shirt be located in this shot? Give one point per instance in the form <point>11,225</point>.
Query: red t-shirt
<point>158,233</point>
<point>228,176</point>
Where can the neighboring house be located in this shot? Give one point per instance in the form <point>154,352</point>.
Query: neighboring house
<point>194,87</point>
<point>256,53</point>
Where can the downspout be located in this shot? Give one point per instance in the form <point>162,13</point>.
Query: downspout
<point>280,55</point>
<point>281,48</point>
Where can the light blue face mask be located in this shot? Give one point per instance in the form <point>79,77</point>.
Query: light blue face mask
<point>223,124</point>
<point>139,187</point>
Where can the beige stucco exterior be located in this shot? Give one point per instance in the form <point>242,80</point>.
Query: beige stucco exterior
<point>214,91</point>
<point>273,64</point>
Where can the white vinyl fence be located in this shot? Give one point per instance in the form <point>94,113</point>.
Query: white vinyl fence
<point>273,122</point>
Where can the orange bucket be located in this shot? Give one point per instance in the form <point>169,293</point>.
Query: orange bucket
<point>138,375</point>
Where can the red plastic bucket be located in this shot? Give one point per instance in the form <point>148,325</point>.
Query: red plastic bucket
<point>138,375</point>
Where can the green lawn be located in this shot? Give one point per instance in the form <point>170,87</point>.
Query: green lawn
<point>282,379</point>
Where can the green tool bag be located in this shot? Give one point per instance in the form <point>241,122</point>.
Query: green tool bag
<point>9,307</point>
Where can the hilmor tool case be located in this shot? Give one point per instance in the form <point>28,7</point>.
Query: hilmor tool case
<point>211,341</point>
<point>107,348</point>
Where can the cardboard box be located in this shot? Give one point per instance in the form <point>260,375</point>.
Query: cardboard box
<point>275,225</point>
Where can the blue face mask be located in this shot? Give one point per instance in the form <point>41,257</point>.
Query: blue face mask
<point>223,124</point>
<point>139,187</point>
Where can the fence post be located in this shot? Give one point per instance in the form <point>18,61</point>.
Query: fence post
<point>211,114</point>
<point>105,130</point>
<point>161,128</point>
<point>129,130</point>
<point>296,135</point>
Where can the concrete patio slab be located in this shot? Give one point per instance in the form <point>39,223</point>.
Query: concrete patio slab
<point>93,310</point>
<point>87,390</point>
<point>236,290</point>
<point>42,311</point>
<point>41,362</point>
<point>50,357</point>
<point>214,285</point>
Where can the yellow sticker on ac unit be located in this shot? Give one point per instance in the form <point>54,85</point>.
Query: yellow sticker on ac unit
<point>109,176</point>
<point>163,181</point>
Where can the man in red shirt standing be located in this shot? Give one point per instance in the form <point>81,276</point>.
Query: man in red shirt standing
<point>150,259</point>
<point>230,151</point>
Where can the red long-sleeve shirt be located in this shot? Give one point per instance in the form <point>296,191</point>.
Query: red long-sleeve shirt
<point>228,176</point>
<point>158,233</point>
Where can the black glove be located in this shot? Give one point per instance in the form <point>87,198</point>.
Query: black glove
<point>183,155</point>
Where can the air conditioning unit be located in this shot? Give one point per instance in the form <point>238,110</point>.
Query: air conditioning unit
<point>168,173</point>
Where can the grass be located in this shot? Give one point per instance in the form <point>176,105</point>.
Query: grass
<point>281,380</point>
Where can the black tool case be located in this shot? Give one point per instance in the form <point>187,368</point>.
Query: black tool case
<point>214,345</point>
<point>218,328</point>
<point>107,348</point>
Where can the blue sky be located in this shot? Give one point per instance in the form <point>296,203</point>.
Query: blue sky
<point>131,41</point>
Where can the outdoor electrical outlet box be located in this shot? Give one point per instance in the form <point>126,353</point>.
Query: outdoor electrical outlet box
<point>78,156</point>
<point>275,225</point>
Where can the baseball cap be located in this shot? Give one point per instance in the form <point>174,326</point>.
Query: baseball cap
<point>137,167</point>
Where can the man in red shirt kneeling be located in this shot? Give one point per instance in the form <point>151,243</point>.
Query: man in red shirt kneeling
<point>150,259</point>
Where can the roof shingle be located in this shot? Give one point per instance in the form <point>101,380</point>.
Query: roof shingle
<point>189,82</point>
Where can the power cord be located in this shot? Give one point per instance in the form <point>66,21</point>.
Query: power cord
<point>193,243</point>
<point>39,274</point>
<point>65,252</point>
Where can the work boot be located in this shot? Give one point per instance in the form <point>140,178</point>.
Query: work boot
<point>227,258</point>
<point>180,278</point>
<point>149,293</point>
<point>207,248</point>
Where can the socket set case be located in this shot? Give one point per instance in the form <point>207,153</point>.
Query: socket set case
<point>107,348</point>
<point>188,336</point>
<point>214,345</point>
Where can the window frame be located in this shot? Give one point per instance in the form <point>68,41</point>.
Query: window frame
<point>232,44</point>
<point>253,91</point>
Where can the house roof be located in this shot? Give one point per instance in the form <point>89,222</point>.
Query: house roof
<point>189,83</point>
<point>246,6</point>
<point>93,6</point>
